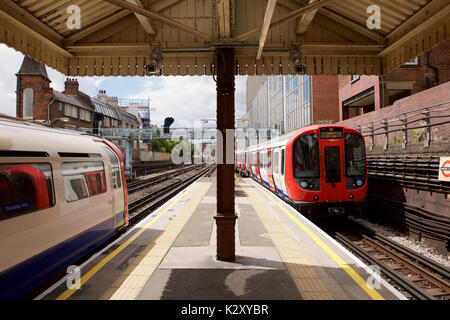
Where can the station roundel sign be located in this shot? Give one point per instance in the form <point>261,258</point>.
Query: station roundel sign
<point>444,169</point>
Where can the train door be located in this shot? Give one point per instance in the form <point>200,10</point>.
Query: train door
<point>276,168</point>
<point>332,166</point>
<point>270,169</point>
<point>258,166</point>
<point>117,189</point>
<point>282,175</point>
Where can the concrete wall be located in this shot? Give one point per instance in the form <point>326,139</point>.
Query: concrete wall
<point>154,156</point>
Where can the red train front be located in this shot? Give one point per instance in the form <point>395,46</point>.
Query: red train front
<point>328,166</point>
<point>316,167</point>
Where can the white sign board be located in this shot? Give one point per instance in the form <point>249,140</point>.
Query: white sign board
<point>444,169</point>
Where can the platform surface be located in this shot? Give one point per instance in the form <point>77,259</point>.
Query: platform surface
<point>280,255</point>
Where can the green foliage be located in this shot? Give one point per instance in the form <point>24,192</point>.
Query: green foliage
<point>161,145</point>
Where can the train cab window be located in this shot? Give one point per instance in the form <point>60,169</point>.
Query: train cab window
<point>306,157</point>
<point>355,161</point>
<point>83,180</point>
<point>355,156</point>
<point>115,169</point>
<point>25,188</point>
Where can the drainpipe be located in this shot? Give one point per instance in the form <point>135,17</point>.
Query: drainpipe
<point>435,69</point>
<point>48,110</point>
<point>382,91</point>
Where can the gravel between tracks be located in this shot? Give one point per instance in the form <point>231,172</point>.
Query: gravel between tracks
<point>403,239</point>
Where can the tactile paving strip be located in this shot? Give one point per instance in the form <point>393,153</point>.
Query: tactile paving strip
<point>308,282</point>
<point>136,280</point>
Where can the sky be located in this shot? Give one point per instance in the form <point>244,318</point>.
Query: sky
<point>186,99</point>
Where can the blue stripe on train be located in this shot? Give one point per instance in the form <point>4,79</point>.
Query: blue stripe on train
<point>23,277</point>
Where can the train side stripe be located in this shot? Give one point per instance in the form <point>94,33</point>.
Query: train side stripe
<point>374,294</point>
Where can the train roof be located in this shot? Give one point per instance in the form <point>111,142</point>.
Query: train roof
<point>24,136</point>
<point>285,138</point>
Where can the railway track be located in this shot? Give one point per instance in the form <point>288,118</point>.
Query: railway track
<point>137,185</point>
<point>416,276</point>
<point>155,198</point>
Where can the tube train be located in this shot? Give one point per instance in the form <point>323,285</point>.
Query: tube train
<point>62,194</point>
<point>313,167</point>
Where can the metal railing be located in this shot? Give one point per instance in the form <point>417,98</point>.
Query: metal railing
<point>418,121</point>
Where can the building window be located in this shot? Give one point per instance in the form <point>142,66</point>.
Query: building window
<point>71,111</point>
<point>85,115</point>
<point>59,106</point>
<point>354,78</point>
<point>28,103</point>
<point>107,122</point>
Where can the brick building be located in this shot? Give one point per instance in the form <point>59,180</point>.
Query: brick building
<point>37,101</point>
<point>363,94</point>
<point>286,103</point>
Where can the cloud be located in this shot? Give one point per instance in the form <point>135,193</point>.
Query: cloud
<point>186,99</point>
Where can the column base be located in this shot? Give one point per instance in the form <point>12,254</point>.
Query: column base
<point>225,237</point>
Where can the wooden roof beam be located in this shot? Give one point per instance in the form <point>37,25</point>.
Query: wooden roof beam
<point>293,15</point>
<point>21,19</point>
<point>21,15</point>
<point>136,9</point>
<point>265,27</point>
<point>306,20</point>
<point>428,10</point>
<point>363,30</point>
<point>224,18</point>
<point>95,27</point>
<point>417,30</point>
<point>143,20</point>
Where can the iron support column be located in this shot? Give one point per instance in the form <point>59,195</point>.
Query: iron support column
<point>129,158</point>
<point>226,217</point>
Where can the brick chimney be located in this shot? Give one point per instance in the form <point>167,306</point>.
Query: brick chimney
<point>101,96</point>
<point>71,86</point>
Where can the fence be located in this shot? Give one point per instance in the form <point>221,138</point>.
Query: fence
<point>409,126</point>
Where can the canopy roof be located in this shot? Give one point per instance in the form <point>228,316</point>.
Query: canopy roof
<point>117,36</point>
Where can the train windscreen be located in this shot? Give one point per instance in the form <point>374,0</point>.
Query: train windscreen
<point>355,157</point>
<point>306,157</point>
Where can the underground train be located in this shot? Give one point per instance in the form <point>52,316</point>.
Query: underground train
<point>62,194</point>
<point>318,168</point>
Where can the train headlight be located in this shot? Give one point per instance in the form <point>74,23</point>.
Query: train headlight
<point>316,197</point>
<point>359,182</point>
<point>304,184</point>
<point>350,197</point>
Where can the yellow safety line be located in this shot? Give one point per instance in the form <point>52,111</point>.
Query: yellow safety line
<point>66,294</point>
<point>374,294</point>
<point>138,278</point>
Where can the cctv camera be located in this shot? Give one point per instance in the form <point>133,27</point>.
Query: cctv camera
<point>152,68</point>
<point>298,69</point>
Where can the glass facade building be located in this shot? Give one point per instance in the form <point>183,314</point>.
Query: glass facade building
<point>280,102</point>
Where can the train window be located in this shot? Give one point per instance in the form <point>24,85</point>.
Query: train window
<point>282,162</point>
<point>83,180</point>
<point>115,169</point>
<point>306,156</point>
<point>355,156</point>
<point>25,188</point>
<point>332,164</point>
